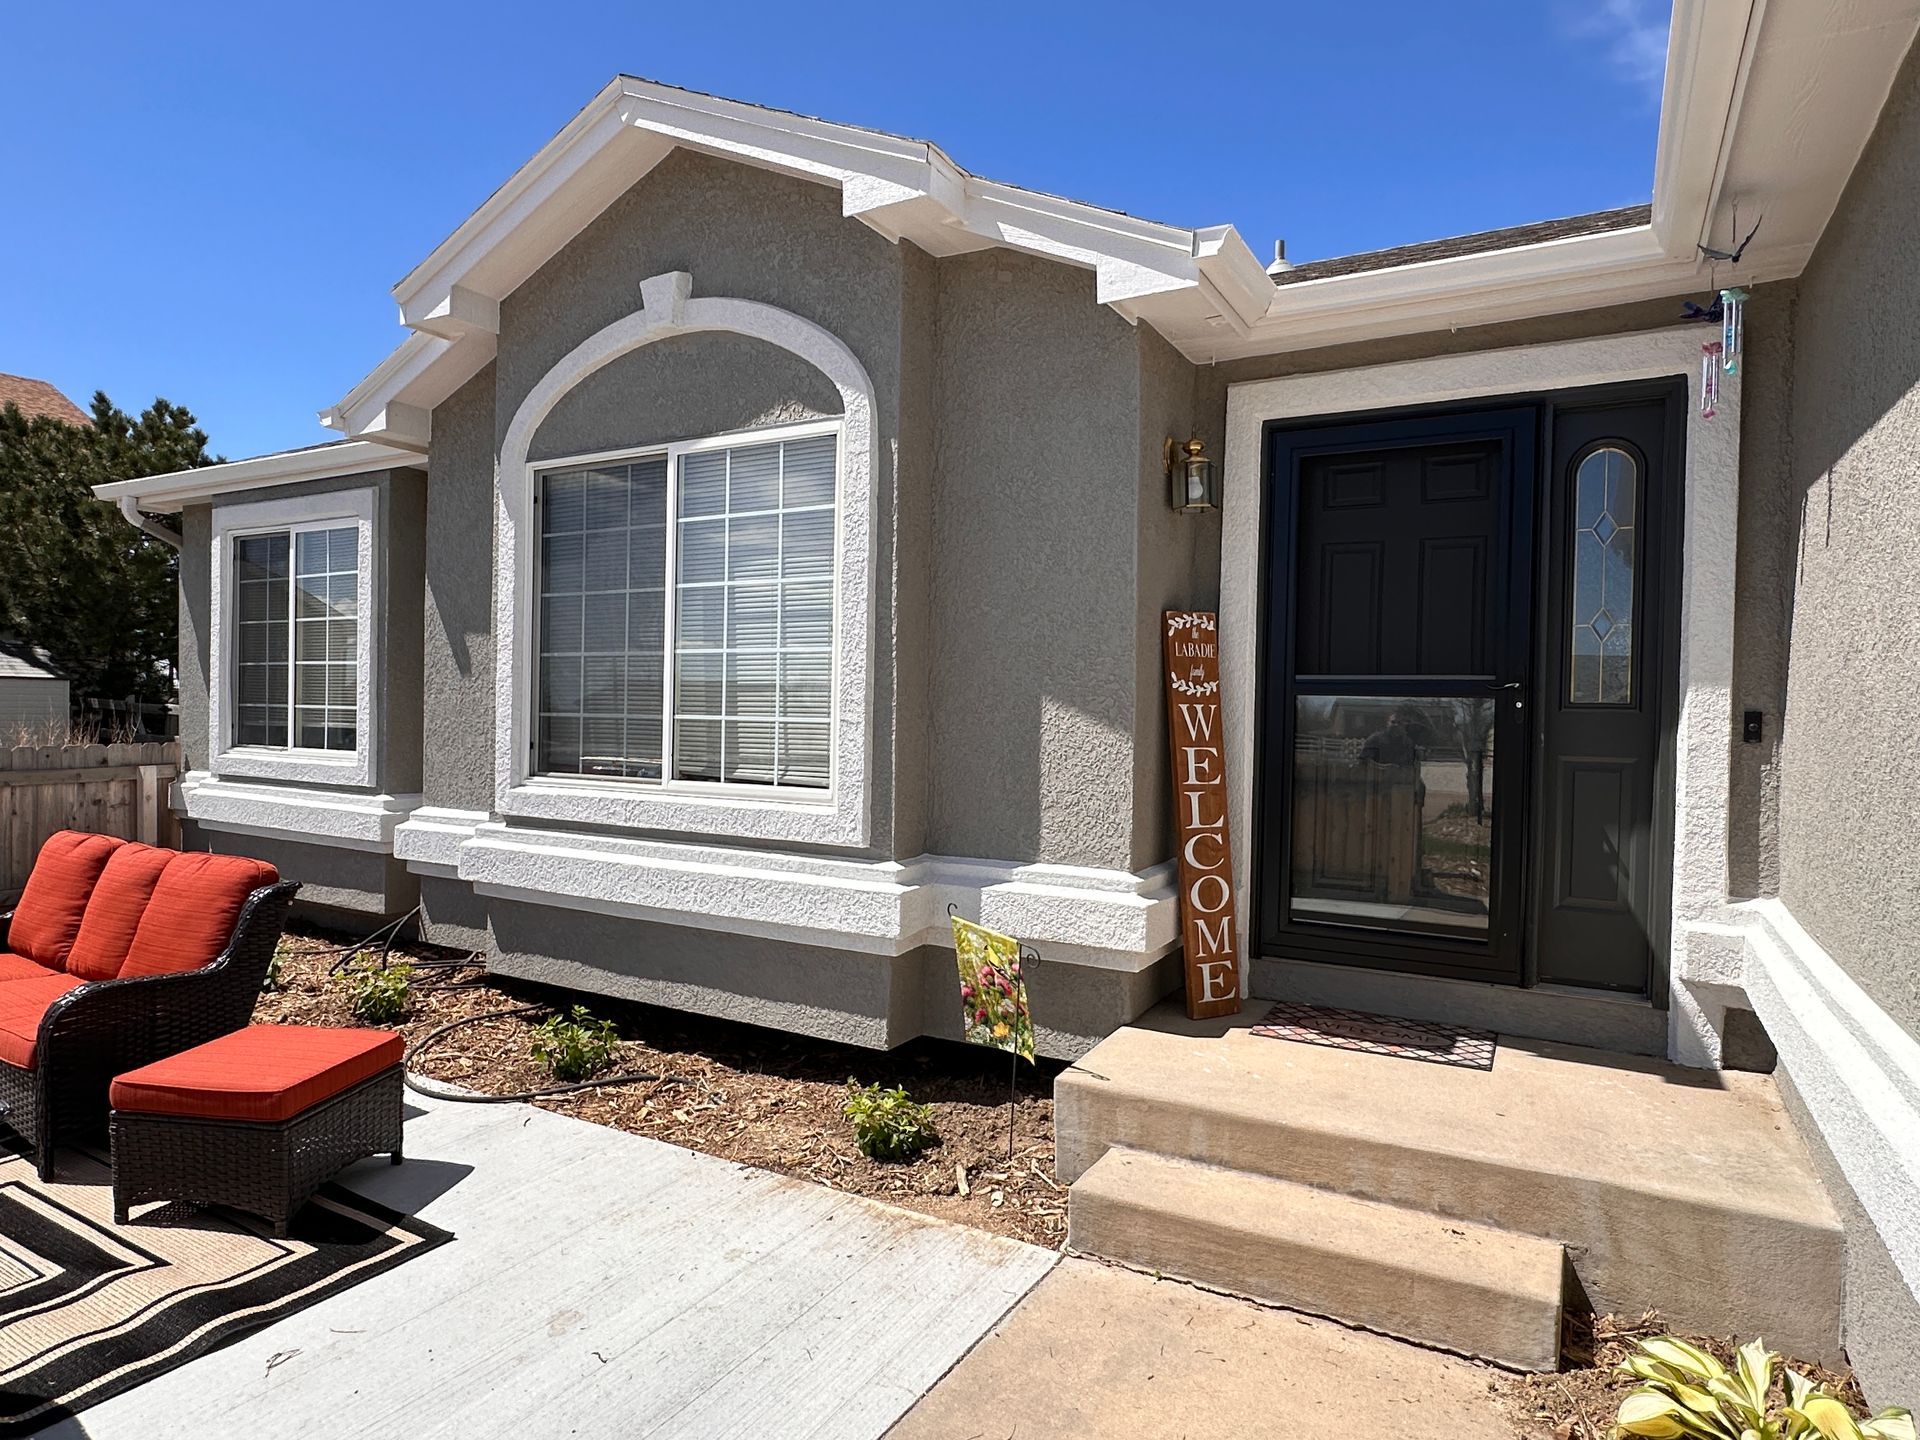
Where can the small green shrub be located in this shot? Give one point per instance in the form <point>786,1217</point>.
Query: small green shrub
<point>1686,1394</point>
<point>576,1046</point>
<point>378,994</point>
<point>888,1124</point>
<point>276,978</point>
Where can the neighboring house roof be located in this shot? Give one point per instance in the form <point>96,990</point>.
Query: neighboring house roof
<point>1481,242</point>
<point>21,661</point>
<point>37,397</point>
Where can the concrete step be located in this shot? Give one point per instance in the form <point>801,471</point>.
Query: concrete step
<point>1460,1286</point>
<point>1679,1190</point>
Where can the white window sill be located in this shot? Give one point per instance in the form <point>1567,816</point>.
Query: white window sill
<point>352,821</point>
<point>825,819</point>
<point>298,767</point>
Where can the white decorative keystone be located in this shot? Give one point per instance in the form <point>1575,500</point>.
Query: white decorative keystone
<point>664,297</point>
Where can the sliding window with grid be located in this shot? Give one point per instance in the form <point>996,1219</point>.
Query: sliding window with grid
<point>746,586</point>
<point>296,638</point>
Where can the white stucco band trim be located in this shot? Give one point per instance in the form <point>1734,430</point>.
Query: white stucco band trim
<point>346,820</point>
<point>1103,919</point>
<point>840,817</point>
<point>1702,751</point>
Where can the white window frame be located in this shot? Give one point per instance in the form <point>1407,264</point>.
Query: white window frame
<point>673,452</point>
<point>837,817</point>
<point>332,510</point>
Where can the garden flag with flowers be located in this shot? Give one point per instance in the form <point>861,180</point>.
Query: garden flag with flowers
<point>993,992</point>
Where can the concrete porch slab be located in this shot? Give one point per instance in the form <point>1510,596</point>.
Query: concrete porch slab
<point>601,1285</point>
<point>1683,1189</point>
<point>1096,1351</point>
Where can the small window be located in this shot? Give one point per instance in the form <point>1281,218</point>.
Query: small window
<point>1606,498</point>
<point>296,596</point>
<point>738,550</point>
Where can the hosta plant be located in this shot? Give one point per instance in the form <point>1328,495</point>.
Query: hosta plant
<point>1686,1394</point>
<point>888,1124</point>
<point>575,1047</point>
<point>379,994</point>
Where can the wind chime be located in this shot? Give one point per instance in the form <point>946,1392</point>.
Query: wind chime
<point>1722,356</point>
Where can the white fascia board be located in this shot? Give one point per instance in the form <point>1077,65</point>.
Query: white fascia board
<point>1709,50</point>
<point>902,188</point>
<point>395,402</point>
<point>319,462</point>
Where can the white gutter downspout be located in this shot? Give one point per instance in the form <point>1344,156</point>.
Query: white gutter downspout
<point>130,508</point>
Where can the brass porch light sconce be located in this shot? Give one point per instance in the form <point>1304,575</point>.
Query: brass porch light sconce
<point>1193,483</point>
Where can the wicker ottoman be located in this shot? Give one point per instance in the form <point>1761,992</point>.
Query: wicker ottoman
<point>259,1119</point>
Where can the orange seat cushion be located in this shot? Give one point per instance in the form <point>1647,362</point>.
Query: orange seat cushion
<point>191,914</point>
<point>19,967</point>
<point>265,1072</point>
<point>22,1003</point>
<point>47,918</point>
<point>113,914</point>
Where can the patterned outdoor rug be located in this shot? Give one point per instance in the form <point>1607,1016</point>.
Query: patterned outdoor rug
<point>1379,1035</point>
<point>88,1309</point>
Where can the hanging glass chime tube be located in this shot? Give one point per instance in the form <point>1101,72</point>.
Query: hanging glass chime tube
<point>1709,378</point>
<point>1733,306</point>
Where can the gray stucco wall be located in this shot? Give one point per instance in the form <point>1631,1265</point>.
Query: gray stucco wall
<point>196,635</point>
<point>457,645</point>
<point>1033,677</point>
<point>1850,761</point>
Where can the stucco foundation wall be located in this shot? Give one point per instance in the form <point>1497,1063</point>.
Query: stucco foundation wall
<point>351,889</point>
<point>1880,1322</point>
<point>1850,761</point>
<point>876,1001</point>
<point>457,643</point>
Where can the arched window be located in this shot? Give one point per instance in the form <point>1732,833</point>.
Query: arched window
<point>1606,498</point>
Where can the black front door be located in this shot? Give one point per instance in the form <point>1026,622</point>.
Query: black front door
<point>1465,655</point>
<point>1394,763</point>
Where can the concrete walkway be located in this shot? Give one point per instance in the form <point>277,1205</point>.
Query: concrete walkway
<point>599,1285</point>
<point>1097,1352</point>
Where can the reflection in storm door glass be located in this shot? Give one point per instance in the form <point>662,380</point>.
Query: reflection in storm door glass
<point>1393,811</point>
<point>1604,497</point>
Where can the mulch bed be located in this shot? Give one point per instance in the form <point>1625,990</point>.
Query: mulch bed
<point>755,1096</point>
<point>1580,1402</point>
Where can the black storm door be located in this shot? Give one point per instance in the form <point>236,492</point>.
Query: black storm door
<point>1394,690</point>
<point>1605,663</point>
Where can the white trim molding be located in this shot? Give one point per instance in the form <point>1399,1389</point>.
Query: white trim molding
<point>1854,1067</point>
<point>345,821</point>
<point>162,493</point>
<point>840,817</point>
<point>1703,747</point>
<point>359,507</point>
<point>1103,919</point>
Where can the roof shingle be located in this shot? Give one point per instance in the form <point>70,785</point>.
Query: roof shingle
<point>37,397</point>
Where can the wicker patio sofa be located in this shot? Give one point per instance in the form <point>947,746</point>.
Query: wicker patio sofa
<point>116,955</point>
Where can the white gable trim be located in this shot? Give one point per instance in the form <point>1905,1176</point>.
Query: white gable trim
<point>841,816</point>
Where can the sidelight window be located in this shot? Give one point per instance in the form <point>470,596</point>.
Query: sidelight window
<point>1606,488</point>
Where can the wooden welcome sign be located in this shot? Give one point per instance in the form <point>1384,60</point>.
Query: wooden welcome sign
<point>1200,811</point>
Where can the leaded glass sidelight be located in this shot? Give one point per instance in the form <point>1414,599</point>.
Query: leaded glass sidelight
<point>1605,506</point>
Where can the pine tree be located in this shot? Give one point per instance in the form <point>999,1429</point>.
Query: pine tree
<point>98,595</point>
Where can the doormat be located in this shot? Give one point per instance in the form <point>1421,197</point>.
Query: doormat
<point>89,1309</point>
<point>1379,1035</point>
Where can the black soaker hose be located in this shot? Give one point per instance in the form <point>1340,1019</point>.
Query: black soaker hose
<point>415,1084</point>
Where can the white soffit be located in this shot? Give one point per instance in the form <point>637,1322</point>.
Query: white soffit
<point>1766,102</point>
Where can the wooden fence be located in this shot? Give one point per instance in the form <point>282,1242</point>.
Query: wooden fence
<point>112,789</point>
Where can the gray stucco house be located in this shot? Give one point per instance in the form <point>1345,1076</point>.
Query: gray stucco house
<point>759,543</point>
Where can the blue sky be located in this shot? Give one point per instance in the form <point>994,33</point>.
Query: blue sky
<point>209,202</point>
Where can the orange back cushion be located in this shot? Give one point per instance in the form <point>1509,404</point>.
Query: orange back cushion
<point>191,914</point>
<point>47,918</point>
<point>113,914</point>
